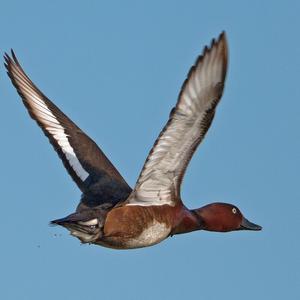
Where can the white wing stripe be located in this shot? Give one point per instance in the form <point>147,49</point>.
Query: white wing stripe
<point>58,133</point>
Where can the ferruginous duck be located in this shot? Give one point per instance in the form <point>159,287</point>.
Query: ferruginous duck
<point>110,213</point>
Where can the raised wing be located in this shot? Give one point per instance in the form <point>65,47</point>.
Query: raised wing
<point>162,174</point>
<point>94,174</point>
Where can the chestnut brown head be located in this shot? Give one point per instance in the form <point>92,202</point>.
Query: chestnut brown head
<point>223,217</point>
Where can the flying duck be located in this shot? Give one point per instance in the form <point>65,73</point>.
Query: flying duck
<point>110,212</point>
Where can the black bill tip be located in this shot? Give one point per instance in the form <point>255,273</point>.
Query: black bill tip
<point>247,225</point>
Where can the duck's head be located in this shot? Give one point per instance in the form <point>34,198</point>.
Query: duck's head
<point>223,217</point>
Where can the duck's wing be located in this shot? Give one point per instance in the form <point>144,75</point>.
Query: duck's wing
<point>162,174</point>
<point>94,174</point>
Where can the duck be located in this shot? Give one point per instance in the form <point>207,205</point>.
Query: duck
<point>112,214</point>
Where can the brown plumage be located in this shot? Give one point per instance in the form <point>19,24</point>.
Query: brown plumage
<point>110,213</point>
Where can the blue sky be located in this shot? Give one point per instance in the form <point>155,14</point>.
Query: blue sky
<point>116,68</point>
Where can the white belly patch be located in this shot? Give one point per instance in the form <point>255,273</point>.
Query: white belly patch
<point>154,234</point>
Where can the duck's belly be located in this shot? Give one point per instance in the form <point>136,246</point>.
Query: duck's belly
<point>152,235</point>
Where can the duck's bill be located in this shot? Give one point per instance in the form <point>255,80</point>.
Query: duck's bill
<point>247,225</point>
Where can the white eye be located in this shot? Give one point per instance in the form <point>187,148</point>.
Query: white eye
<point>234,210</point>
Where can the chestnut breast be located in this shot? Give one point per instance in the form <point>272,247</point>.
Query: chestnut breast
<point>135,226</point>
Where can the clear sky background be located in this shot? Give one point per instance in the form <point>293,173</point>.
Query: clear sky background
<point>116,68</point>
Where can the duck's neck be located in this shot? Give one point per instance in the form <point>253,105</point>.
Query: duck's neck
<point>190,221</point>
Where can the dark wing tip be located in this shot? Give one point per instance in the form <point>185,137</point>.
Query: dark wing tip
<point>222,41</point>
<point>13,54</point>
<point>11,60</point>
<point>222,34</point>
<point>222,37</point>
<point>8,64</point>
<point>6,56</point>
<point>222,48</point>
<point>7,60</point>
<point>14,57</point>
